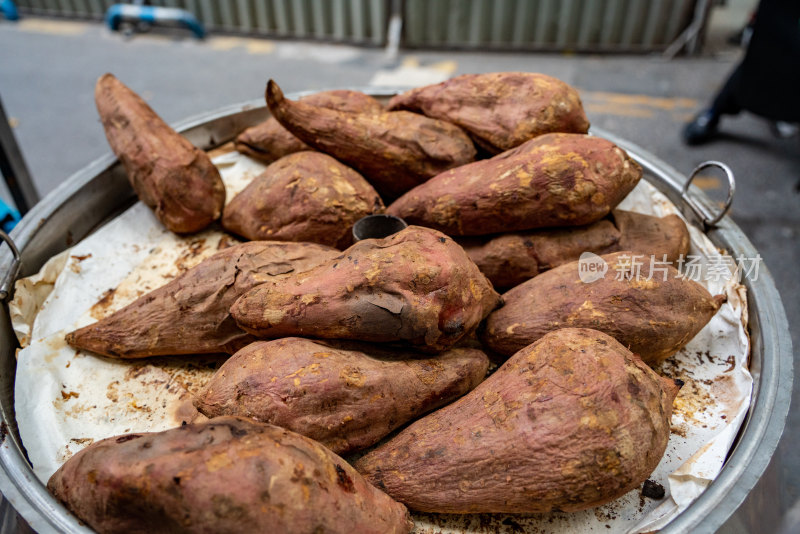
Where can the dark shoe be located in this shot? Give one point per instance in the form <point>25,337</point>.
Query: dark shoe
<point>702,129</point>
<point>784,130</point>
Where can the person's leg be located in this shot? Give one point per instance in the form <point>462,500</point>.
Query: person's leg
<point>704,126</point>
<point>726,101</point>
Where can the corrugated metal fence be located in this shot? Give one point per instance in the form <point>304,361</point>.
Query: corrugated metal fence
<point>355,21</point>
<point>579,25</point>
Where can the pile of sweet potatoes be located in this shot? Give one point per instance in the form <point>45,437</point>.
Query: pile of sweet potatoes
<point>333,350</point>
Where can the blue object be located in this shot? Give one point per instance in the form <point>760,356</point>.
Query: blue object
<point>9,217</point>
<point>9,9</point>
<point>168,16</point>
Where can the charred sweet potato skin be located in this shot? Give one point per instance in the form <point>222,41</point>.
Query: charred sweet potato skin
<point>652,316</point>
<point>394,151</point>
<point>509,259</point>
<point>416,287</point>
<point>168,173</point>
<point>570,422</point>
<point>500,110</point>
<point>269,141</point>
<point>226,475</point>
<point>191,314</point>
<point>347,398</point>
<point>307,196</point>
<point>550,181</point>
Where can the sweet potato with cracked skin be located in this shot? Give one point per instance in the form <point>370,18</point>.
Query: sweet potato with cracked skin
<point>191,313</point>
<point>500,110</point>
<point>394,151</point>
<point>509,259</point>
<point>550,181</point>
<point>307,196</point>
<point>269,141</point>
<point>570,422</point>
<point>172,176</point>
<point>654,313</point>
<point>346,396</point>
<point>227,475</point>
<point>417,287</point>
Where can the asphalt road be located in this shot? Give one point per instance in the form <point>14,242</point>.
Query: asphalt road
<point>49,68</point>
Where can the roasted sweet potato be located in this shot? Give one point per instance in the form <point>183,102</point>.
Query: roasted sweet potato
<point>346,397</point>
<point>660,237</point>
<point>652,310</point>
<point>168,173</point>
<point>269,141</point>
<point>510,259</point>
<point>227,475</point>
<point>393,151</point>
<point>191,314</point>
<point>500,110</point>
<point>306,196</point>
<point>416,286</point>
<point>570,422</point>
<point>552,180</point>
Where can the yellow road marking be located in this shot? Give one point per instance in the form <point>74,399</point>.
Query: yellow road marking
<point>225,43</point>
<point>665,103</point>
<point>253,46</point>
<point>617,109</point>
<point>637,105</point>
<point>259,46</point>
<point>410,62</point>
<point>707,182</point>
<point>682,117</point>
<point>52,27</point>
<point>445,66</point>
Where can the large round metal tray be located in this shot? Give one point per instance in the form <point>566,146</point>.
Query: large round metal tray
<point>101,190</point>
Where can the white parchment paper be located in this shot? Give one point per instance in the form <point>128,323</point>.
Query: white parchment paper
<point>66,399</point>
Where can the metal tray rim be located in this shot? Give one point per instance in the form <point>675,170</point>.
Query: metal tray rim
<point>744,467</point>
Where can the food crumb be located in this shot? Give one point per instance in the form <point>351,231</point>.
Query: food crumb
<point>653,490</point>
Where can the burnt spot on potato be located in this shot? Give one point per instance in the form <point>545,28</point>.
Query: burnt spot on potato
<point>128,437</point>
<point>344,481</point>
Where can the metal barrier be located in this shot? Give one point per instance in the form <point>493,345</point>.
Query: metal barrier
<point>541,25</point>
<point>557,25</point>
<point>353,21</point>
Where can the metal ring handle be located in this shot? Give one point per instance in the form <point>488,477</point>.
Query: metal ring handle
<point>708,218</point>
<point>11,275</point>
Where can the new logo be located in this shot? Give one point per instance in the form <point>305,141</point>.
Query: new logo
<point>591,267</point>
